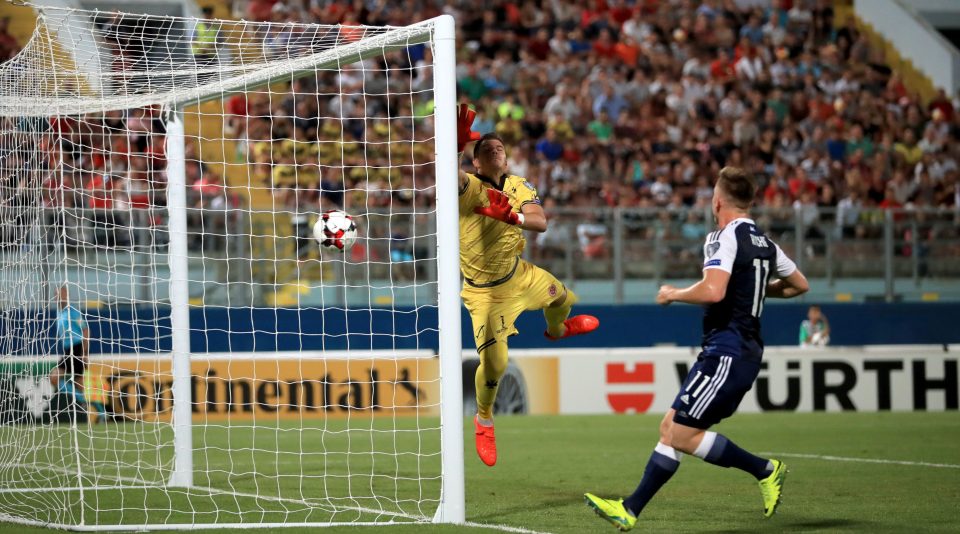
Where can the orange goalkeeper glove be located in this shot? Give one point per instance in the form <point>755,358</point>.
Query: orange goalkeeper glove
<point>465,117</point>
<point>499,208</point>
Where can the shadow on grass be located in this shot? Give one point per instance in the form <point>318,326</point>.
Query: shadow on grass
<point>504,514</point>
<point>807,524</point>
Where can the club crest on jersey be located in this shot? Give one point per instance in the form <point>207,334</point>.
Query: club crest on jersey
<point>712,248</point>
<point>552,290</point>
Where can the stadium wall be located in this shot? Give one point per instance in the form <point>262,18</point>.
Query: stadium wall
<point>123,330</point>
<point>271,386</point>
<point>868,379</point>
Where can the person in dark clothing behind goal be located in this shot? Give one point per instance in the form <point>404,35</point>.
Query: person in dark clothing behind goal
<point>738,262</point>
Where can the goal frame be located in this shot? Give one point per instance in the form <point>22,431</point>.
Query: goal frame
<point>440,31</point>
<point>452,508</point>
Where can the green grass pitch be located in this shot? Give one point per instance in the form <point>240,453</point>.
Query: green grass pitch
<point>546,463</point>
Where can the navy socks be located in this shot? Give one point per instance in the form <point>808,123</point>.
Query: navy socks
<point>718,450</point>
<point>663,463</point>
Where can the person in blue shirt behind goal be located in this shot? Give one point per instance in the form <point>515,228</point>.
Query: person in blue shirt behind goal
<point>73,338</point>
<point>738,263</point>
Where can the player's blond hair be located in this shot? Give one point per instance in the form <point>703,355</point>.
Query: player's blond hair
<point>738,186</point>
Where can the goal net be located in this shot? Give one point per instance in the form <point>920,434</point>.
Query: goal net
<point>176,350</point>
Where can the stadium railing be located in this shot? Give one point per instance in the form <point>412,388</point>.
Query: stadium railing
<point>827,243</point>
<point>891,247</point>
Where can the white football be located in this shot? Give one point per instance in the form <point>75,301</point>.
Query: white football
<point>335,229</point>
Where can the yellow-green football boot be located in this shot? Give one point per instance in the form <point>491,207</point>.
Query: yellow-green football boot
<point>611,510</point>
<point>772,487</point>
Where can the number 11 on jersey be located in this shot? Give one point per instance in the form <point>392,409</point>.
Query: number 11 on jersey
<point>761,271</point>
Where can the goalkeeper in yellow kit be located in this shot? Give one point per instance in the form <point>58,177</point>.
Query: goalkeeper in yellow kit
<point>495,208</point>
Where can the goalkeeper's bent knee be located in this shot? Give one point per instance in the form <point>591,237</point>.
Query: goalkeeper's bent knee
<point>557,314</point>
<point>567,300</point>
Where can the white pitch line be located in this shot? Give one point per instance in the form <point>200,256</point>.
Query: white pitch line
<point>120,478</point>
<point>860,460</point>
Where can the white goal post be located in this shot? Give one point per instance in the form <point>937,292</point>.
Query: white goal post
<point>158,179</point>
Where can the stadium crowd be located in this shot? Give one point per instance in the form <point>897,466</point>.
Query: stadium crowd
<point>109,168</point>
<point>639,103</point>
<point>607,103</point>
<point>615,103</point>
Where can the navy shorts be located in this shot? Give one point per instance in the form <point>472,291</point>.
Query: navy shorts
<point>713,389</point>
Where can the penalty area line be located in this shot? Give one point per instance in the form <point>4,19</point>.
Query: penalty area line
<point>859,460</point>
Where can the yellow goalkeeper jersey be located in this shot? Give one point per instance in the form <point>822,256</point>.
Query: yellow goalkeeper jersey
<point>489,248</point>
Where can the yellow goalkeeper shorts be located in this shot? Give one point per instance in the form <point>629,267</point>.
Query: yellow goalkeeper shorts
<point>493,310</point>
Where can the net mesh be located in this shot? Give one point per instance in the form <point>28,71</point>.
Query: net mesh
<point>107,60</point>
<point>313,377</point>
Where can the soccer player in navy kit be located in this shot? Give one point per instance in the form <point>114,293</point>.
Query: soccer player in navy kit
<point>738,263</point>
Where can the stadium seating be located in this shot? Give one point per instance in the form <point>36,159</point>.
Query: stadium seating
<point>634,106</point>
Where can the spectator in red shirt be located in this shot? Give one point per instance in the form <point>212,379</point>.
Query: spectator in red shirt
<point>942,102</point>
<point>593,14</point>
<point>822,109</point>
<point>8,45</point>
<point>238,109</point>
<point>799,183</point>
<point>776,186</point>
<point>512,13</point>
<point>260,10</point>
<point>619,13</point>
<point>99,192</point>
<point>627,50</point>
<point>603,47</point>
<point>207,186</point>
<point>890,202</point>
<point>539,44</point>
<point>721,69</point>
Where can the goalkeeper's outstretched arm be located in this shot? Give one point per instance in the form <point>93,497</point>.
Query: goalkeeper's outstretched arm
<point>534,219</point>
<point>465,136</point>
<point>492,162</point>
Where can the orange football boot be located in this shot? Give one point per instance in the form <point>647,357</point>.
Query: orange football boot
<point>576,325</point>
<point>486,442</point>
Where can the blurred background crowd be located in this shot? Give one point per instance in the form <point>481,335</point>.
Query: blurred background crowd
<point>603,104</point>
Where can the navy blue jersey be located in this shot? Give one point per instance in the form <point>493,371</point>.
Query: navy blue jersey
<point>732,326</point>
